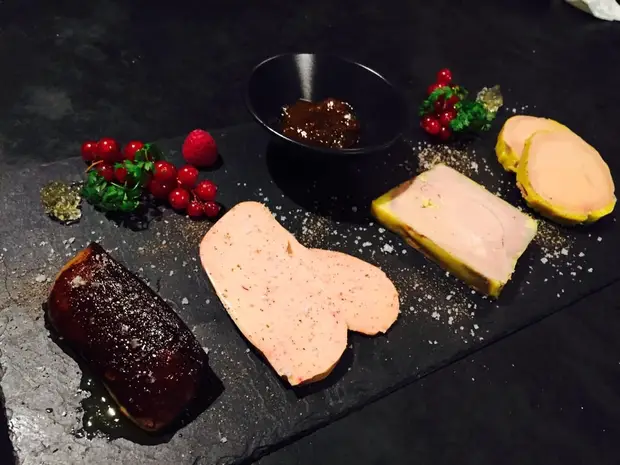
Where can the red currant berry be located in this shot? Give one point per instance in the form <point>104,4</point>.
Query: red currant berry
<point>433,87</point>
<point>187,177</point>
<point>129,152</point>
<point>444,76</point>
<point>211,209</point>
<point>432,126</point>
<point>120,173</point>
<point>206,191</point>
<point>425,121</point>
<point>195,209</point>
<point>89,151</point>
<point>160,190</point>
<point>108,150</point>
<point>165,171</point>
<point>439,105</point>
<point>453,100</point>
<point>445,133</point>
<point>106,170</point>
<point>447,116</point>
<point>179,198</point>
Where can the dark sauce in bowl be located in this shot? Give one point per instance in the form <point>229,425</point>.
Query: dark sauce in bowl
<point>330,123</point>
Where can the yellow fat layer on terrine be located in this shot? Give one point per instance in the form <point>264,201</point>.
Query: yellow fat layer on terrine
<point>454,221</point>
<point>565,179</point>
<point>515,132</point>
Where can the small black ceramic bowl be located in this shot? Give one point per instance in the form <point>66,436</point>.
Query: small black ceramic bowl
<point>284,79</point>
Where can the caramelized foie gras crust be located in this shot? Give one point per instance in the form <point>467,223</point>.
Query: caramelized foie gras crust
<point>148,359</point>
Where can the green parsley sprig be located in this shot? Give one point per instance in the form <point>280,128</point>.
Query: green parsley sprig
<point>471,115</point>
<point>110,196</point>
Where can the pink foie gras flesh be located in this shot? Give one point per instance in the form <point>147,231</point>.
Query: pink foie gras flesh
<point>569,173</point>
<point>521,127</point>
<point>467,221</point>
<point>364,289</point>
<point>292,303</point>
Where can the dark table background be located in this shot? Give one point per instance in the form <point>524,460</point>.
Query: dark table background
<point>130,69</point>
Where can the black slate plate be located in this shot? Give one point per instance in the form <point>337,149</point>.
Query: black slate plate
<point>441,320</point>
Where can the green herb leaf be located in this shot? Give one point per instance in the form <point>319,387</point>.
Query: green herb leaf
<point>109,196</point>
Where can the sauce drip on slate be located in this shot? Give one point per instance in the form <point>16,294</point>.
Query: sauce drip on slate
<point>330,123</point>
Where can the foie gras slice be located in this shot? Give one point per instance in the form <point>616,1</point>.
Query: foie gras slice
<point>456,222</point>
<point>565,179</point>
<point>292,303</point>
<point>515,132</point>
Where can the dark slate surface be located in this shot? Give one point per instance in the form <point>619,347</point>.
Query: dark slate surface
<point>441,320</point>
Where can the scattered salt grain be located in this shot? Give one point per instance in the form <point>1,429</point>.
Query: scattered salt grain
<point>435,315</point>
<point>354,209</point>
<point>185,301</point>
<point>599,238</point>
<point>564,251</point>
<point>78,281</point>
<point>590,270</point>
<point>387,248</point>
<point>544,260</point>
<point>171,272</point>
<point>40,278</point>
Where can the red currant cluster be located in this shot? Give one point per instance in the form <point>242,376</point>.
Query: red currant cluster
<point>183,191</point>
<point>179,187</point>
<point>437,122</point>
<point>106,153</point>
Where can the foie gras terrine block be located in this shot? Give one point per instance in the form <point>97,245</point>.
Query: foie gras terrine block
<point>456,222</point>
<point>148,359</point>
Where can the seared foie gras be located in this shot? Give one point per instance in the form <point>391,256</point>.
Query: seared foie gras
<point>292,303</point>
<point>565,179</point>
<point>148,359</point>
<point>451,219</point>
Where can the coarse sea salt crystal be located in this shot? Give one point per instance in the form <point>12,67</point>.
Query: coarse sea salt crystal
<point>185,301</point>
<point>387,248</point>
